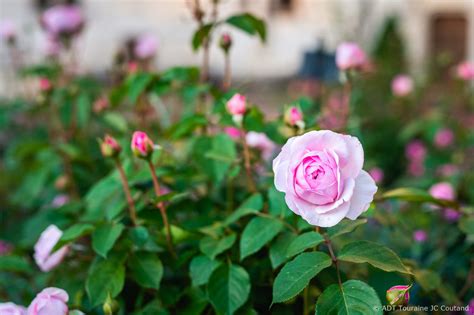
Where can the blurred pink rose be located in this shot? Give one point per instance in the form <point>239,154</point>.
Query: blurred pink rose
<point>444,138</point>
<point>377,174</point>
<point>416,168</point>
<point>50,301</point>
<point>415,150</point>
<point>350,56</point>
<point>402,85</point>
<point>142,146</point>
<point>5,248</point>
<point>443,190</point>
<point>51,47</point>
<point>146,46</point>
<point>233,132</point>
<point>44,257</point>
<point>447,170</point>
<point>44,84</point>
<point>101,104</point>
<point>465,71</point>
<point>236,105</point>
<point>260,141</point>
<point>10,308</point>
<point>420,236</point>
<point>7,30</point>
<point>451,215</point>
<point>321,174</point>
<point>132,67</point>
<point>60,200</point>
<point>62,19</point>
<point>335,112</point>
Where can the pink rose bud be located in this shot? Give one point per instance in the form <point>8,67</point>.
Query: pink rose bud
<point>398,295</point>
<point>465,71</point>
<point>443,190</point>
<point>44,257</point>
<point>321,174</point>
<point>45,85</point>
<point>415,151</point>
<point>260,141</point>
<point>10,308</point>
<point>132,67</point>
<point>7,31</point>
<point>444,138</point>
<point>451,215</point>
<point>110,147</point>
<point>377,174</point>
<point>420,236</point>
<point>402,85</point>
<point>100,105</point>
<point>62,19</point>
<point>146,46</point>
<point>234,133</point>
<point>225,42</point>
<point>350,56</point>
<point>5,248</point>
<point>237,105</point>
<point>50,301</point>
<point>142,146</point>
<point>294,117</point>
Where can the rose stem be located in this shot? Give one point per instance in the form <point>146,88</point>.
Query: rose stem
<point>227,72</point>
<point>333,258</point>
<point>162,208</point>
<point>126,189</point>
<point>248,166</point>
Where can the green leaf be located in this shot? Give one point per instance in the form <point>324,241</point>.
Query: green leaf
<point>116,121</point>
<point>137,84</point>
<point>375,254</point>
<point>228,288</point>
<point>213,247</point>
<point>201,35</point>
<point>355,298</point>
<point>417,195</point>
<point>466,225</point>
<point>201,268</point>
<point>258,232</point>
<point>303,242</point>
<point>427,279</point>
<point>106,276</point>
<point>296,274</point>
<point>105,236</point>
<point>146,269</point>
<point>344,227</point>
<point>83,107</point>
<point>277,204</point>
<point>249,24</point>
<point>12,263</point>
<point>279,248</point>
<point>139,235</point>
<point>253,204</point>
<point>223,153</point>
<point>74,232</point>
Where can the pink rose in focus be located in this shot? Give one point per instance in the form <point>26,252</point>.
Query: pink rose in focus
<point>420,236</point>
<point>50,301</point>
<point>44,257</point>
<point>62,19</point>
<point>146,46</point>
<point>350,56</point>
<point>142,146</point>
<point>402,85</point>
<point>7,30</point>
<point>237,105</point>
<point>377,174</point>
<point>321,174</point>
<point>233,132</point>
<point>443,190</point>
<point>10,308</point>
<point>451,215</point>
<point>444,138</point>
<point>415,150</point>
<point>44,84</point>
<point>260,141</point>
<point>5,248</point>
<point>465,70</point>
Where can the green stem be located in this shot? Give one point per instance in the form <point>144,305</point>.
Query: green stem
<point>333,258</point>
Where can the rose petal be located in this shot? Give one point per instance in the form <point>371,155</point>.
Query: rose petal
<point>363,195</point>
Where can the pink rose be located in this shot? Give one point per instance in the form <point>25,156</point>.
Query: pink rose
<point>142,146</point>
<point>416,168</point>
<point>10,308</point>
<point>7,30</point>
<point>451,215</point>
<point>350,56</point>
<point>5,248</point>
<point>225,42</point>
<point>44,257</point>
<point>109,147</point>
<point>146,46</point>
<point>60,200</point>
<point>321,174</point>
<point>465,70</point>
<point>415,150</point>
<point>443,190</point>
<point>62,20</point>
<point>44,84</point>
<point>50,301</point>
<point>234,133</point>
<point>420,236</point>
<point>260,141</point>
<point>398,295</point>
<point>444,138</point>
<point>402,85</point>
<point>377,174</point>
<point>294,116</point>
<point>236,105</point>
<point>101,104</point>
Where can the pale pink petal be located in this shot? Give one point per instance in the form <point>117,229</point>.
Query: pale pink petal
<point>364,191</point>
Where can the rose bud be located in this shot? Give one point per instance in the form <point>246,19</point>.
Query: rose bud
<point>398,295</point>
<point>234,133</point>
<point>321,174</point>
<point>44,257</point>
<point>465,71</point>
<point>377,174</point>
<point>110,147</point>
<point>420,236</point>
<point>50,301</point>
<point>100,105</point>
<point>443,190</point>
<point>443,138</point>
<point>62,20</point>
<point>45,85</point>
<point>261,142</point>
<point>142,146</point>
<point>236,106</point>
<point>350,56</point>
<point>294,117</point>
<point>10,308</point>
<point>402,85</point>
<point>145,47</point>
<point>225,42</point>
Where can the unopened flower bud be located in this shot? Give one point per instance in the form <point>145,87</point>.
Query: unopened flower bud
<point>294,117</point>
<point>110,306</point>
<point>110,147</point>
<point>225,42</point>
<point>398,295</point>
<point>237,105</point>
<point>45,85</point>
<point>142,146</point>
